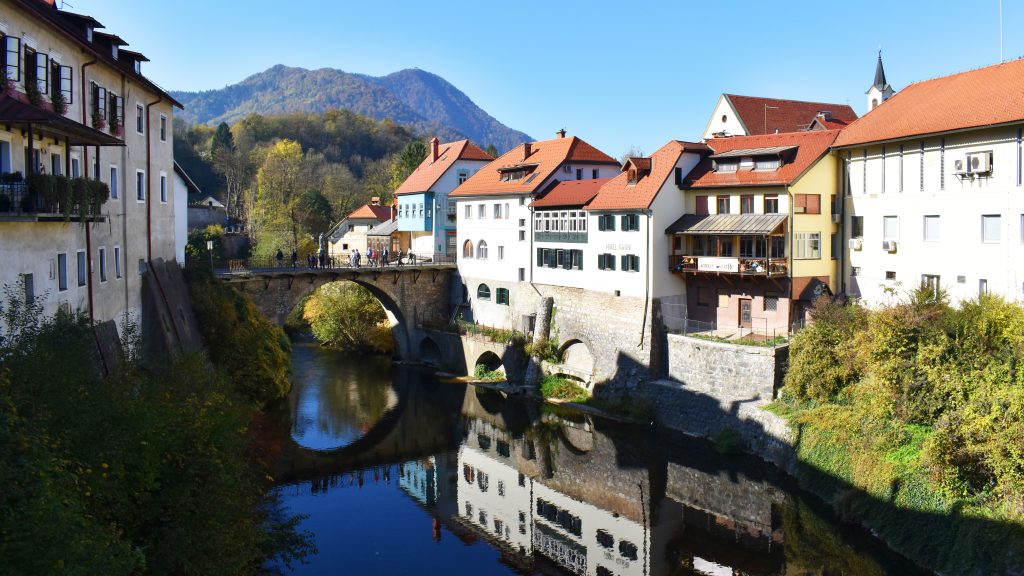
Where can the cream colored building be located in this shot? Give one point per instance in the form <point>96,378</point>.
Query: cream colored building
<point>77,104</point>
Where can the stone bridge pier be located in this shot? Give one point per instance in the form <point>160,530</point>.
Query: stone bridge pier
<point>411,297</point>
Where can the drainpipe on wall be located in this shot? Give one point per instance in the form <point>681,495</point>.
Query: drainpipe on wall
<point>789,256</point>
<point>149,181</point>
<point>647,279</point>
<point>85,168</point>
<point>85,117</point>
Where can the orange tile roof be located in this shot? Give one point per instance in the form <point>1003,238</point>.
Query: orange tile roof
<point>619,194</point>
<point>783,115</point>
<point>368,211</point>
<point>810,146</point>
<point>972,99</point>
<point>545,157</point>
<point>569,193</point>
<point>429,171</point>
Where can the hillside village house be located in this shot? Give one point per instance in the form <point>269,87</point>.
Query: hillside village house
<point>75,103</point>
<point>757,242</point>
<point>496,247</point>
<point>736,115</point>
<point>351,233</point>
<point>424,211</point>
<point>934,191</point>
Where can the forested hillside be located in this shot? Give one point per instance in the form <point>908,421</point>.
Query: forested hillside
<point>415,98</point>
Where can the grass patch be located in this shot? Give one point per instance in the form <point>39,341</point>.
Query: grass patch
<point>563,389</point>
<point>728,441</point>
<point>482,372</point>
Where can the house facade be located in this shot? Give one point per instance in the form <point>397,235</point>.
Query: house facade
<point>424,211</point>
<point>736,115</point>
<point>933,189</point>
<point>758,239</point>
<point>351,233</point>
<point>496,246</point>
<point>75,104</point>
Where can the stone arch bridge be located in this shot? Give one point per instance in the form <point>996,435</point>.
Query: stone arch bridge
<point>412,296</point>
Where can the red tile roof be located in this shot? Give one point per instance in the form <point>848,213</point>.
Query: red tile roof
<point>783,115</point>
<point>569,193</point>
<point>619,194</point>
<point>543,159</point>
<point>810,147</point>
<point>429,171</point>
<point>972,99</point>
<point>368,211</point>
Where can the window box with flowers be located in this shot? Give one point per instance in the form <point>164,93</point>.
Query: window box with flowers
<point>116,127</point>
<point>98,121</point>
<point>59,102</point>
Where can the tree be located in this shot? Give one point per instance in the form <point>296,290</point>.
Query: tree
<point>633,151</point>
<point>312,212</point>
<point>492,150</point>
<point>403,164</point>
<point>222,139</point>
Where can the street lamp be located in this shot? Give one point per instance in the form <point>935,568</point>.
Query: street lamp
<point>209,248</point>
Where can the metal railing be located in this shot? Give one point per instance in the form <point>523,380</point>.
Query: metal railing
<point>341,262</point>
<point>768,267</point>
<point>575,237</point>
<point>17,199</point>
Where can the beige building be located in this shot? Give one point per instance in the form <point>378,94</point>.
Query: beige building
<point>75,104</point>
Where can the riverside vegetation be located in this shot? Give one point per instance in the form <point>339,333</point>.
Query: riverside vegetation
<point>910,418</point>
<point>144,471</point>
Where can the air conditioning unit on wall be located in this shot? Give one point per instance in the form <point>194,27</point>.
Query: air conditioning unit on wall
<point>960,166</point>
<point>889,246</point>
<point>856,243</point>
<point>979,162</point>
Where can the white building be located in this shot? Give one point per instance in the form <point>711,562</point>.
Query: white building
<point>76,104</point>
<point>934,192</point>
<point>424,212</point>
<point>496,247</point>
<point>736,115</point>
<point>350,233</point>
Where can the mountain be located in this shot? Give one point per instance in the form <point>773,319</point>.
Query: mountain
<point>424,101</point>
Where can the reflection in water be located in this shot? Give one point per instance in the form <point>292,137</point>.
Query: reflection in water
<point>451,480</point>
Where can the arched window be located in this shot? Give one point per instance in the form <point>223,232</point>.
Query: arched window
<point>481,250</point>
<point>467,249</point>
<point>874,103</point>
<point>483,292</point>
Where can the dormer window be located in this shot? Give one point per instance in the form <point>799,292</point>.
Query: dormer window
<point>730,165</point>
<point>113,51</point>
<point>515,173</point>
<point>88,33</point>
<point>137,67</point>
<point>632,177</point>
<point>767,163</point>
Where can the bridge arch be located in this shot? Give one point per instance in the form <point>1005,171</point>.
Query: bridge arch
<point>430,352</point>
<point>577,361</point>
<point>490,361</point>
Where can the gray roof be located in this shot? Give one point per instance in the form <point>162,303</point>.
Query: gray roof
<point>385,229</point>
<point>880,82</point>
<point>770,151</point>
<point>762,224</point>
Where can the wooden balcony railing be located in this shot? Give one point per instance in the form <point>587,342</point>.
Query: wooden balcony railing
<point>742,266</point>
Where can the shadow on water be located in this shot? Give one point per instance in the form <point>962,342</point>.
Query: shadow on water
<point>523,490</point>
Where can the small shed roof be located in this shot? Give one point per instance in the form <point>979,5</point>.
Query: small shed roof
<point>755,224</point>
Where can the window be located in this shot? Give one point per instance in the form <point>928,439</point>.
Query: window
<point>594,173</point>
<point>469,211</point>
<point>727,165</point>
<point>605,540</point>
<point>890,275</point>
<point>481,211</point>
<point>606,262</point>
<point>771,204</point>
<point>931,282</point>
<point>807,204</point>
<point>771,303</point>
<point>522,274</point>
<point>501,252</point>
<point>463,176</point>
<point>483,292</point>
<point>117,261</point>
<point>807,245</point>
<point>113,182</point>
<point>82,272</point>
<point>481,250</point>
<point>55,165</point>
<point>163,188</point>
<point>931,228</point>
<point>747,204</point>
<point>522,235</point>
<point>627,549</point>
<point>752,246</point>
<point>497,211</point>
<point>702,205</point>
<point>725,246</point>
<point>982,287</point>
<point>99,105</point>
<point>76,169</point>
<point>163,128</point>
<point>836,249</point>
<point>606,222</point>
<point>890,228</point>
<point>501,296</point>
<point>991,228</point>
<point>630,222</point>
<point>722,205</point>
<point>140,186</point>
<point>139,116</point>
<point>630,263</point>
<point>62,272</point>
<point>467,249</point>
<point>767,163</point>
<point>103,264</point>
<point>12,57</point>
<point>856,226</point>
<point>777,247</point>
<point>579,173</point>
<point>30,287</point>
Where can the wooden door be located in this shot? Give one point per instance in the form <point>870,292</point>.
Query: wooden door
<point>745,313</point>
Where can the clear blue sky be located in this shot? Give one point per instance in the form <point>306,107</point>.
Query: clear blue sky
<point>614,73</point>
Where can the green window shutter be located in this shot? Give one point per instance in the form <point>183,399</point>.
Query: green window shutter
<point>540,256</point>
<point>625,222</point>
<point>624,262</point>
<point>600,261</point>
<point>636,263</point>
<point>611,261</point>
<point>611,222</point>
<point>600,222</point>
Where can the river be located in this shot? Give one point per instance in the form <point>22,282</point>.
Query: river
<point>397,472</point>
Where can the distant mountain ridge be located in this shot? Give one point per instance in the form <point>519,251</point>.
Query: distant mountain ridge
<point>426,102</point>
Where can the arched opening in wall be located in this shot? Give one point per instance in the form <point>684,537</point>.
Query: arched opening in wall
<point>430,352</point>
<point>352,316</point>
<point>577,362</point>
<point>489,367</point>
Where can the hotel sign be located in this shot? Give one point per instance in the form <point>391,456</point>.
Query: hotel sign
<point>718,265</point>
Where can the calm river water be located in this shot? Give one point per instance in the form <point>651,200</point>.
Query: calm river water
<point>399,473</point>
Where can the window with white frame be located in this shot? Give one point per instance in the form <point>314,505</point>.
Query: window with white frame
<point>103,264</point>
<point>140,185</point>
<point>117,261</point>
<point>807,245</point>
<point>501,252</point>
<point>62,272</point>
<point>113,182</point>
<point>163,188</point>
<point>463,176</point>
<point>163,128</point>
<point>481,250</point>
<point>468,211</point>
<point>931,229</point>
<point>83,273</point>
<point>991,228</point>
<point>481,211</point>
<point>140,115</point>
<point>890,228</point>
<point>497,211</point>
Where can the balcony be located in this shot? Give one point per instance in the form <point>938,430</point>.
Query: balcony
<point>762,267</point>
<point>452,212</point>
<point>51,198</point>
<point>568,237</point>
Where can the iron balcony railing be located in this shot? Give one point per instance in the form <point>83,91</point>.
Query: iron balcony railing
<point>16,199</point>
<point>572,237</point>
<point>742,266</point>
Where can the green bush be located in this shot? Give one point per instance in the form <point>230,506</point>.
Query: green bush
<point>482,372</point>
<point>563,389</point>
<point>822,357</point>
<point>347,316</point>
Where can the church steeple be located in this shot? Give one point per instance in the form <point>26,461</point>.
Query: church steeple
<point>880,91</point>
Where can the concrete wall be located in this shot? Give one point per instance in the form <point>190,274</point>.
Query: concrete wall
<point>726,370</point>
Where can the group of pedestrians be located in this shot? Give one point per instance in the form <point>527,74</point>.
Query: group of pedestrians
<point>374,258</point>
<point>313,260</point>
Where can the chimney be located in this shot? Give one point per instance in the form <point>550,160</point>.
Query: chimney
<point>527,150</point>
<point>561,133</point>
<point>433,149</point>
<point>375,201</point>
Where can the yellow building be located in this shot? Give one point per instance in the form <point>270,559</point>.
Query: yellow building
<point>758,241</point>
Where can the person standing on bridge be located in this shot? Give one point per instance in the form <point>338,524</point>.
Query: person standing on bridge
<point>280,257</point>
<point>384,257</point>
<point>295,258</point>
